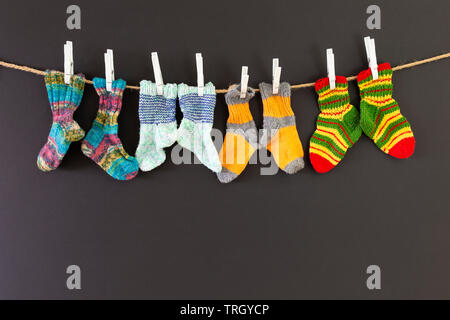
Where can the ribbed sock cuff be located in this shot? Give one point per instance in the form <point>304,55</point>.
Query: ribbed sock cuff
<point>382,87</point>
<point>53,77</point>
<point>118,86</point>
<point>150,88</point>
<point>332,99</point>
<point>323,85</point>
<point>184,89</point>
<point>267,90</point>
<point>384,70</point>
<point>276,105</point>
<point>233,96</point>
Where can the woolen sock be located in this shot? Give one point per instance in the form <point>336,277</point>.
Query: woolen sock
<point>158,126</point>
<point>241,137</point>
<point>381,119</point>
<point>337,125</point>
<point>64,100</point>
<point>194,132</point>
<point>102,143</point>
<point>280,134</point>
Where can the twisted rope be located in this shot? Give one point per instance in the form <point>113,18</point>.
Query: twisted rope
<point>295,86</point>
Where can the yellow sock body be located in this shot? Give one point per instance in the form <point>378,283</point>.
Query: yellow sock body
<point>240,141</point>
<point>280,134</point>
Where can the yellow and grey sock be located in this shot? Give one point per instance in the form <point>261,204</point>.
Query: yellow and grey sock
<point>241,137</point>
<point>280,134</point>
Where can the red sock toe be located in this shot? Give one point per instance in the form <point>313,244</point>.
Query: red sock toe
<point>404,148</point>
<point>320,164</point>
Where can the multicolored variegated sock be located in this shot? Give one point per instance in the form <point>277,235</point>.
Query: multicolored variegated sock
<point>64,100</point>
<point>381,119</point>
<point>194,132</point>
<point>337,125</point>
<point>102,143</point>
<point>158,126</point>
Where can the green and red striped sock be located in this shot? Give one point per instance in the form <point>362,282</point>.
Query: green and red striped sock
<point>381,119</point>
<point>337,125</point>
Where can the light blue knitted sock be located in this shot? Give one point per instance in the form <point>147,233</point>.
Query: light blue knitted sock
<point>158,127</point>
<point>194,132</point>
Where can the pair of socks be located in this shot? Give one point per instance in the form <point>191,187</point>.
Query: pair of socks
<point>158,127</point>
<point>339,124</point>
<point>279,133</point>
<point>64,100</point>
<point>102,143</point>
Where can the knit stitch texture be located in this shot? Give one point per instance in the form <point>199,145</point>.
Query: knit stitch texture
<point>381,119</point>
<point>279,133</point>
<point>102,143</point>
<point>158,126</point>
<point>240,141</point>
<point>337,125</point>
<point>194,132</point>
<point>64,100</point>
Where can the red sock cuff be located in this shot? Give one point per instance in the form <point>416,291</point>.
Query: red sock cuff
<point>324,83</point>
<point>365,74</point>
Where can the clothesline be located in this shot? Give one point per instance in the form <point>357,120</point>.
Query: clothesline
<point>295,86</point>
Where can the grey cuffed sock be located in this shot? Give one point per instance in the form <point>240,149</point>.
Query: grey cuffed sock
<point>284,90</point>
<point>240,123</point>
<point>279,123</point>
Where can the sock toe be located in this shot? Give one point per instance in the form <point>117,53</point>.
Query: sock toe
<point>226,176</point>
<point>294,166</point>
<point>320,164</point>
<point>404,148</point>
<point>44,166</point>
<point>149,157</point>
<point>133,170</point>
<point>126,170</point>
<point>148,164</point>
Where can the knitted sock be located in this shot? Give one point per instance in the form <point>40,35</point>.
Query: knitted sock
<point>64,100</point>
<point>240,139</point>
<point>194,132</point>
<point>381,119</point>
<point>280,134</point>
<point>337,125</point>
<point>158,127</point>
<point>102,143</point>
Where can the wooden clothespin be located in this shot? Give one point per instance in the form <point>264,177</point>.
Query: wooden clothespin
<point>200,77</point>
<point>157,72</point>
<point>276,75</point>
<point>244,81</point>
<point>371,56</point>
<point>68,61</point>
<point>330,68</point>
<point>109,69</point>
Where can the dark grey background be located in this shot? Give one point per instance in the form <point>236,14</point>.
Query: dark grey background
<point>176,232</point>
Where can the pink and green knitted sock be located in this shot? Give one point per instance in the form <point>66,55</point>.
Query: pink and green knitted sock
<point>102,143</point>
<point>64,100</point>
